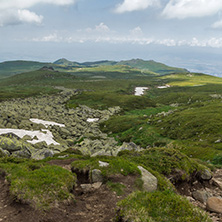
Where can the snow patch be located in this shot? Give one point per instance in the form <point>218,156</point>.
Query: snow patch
<point>139,91</point>
<point>91,120</point>
<point>46,123</point>
<point>45,135</point>
<point>163,87</point>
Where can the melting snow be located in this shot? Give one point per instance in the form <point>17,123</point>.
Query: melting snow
<point>163,87</point>
<point>91,120</point>
<point>41,136</point>
<point>140,91</point>
<point>46,123</point>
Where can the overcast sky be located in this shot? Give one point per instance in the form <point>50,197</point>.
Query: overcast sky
<point>185,33</point>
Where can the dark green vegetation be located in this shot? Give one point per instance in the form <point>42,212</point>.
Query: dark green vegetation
<point>14,67</point>
<point>159,206</point>
<point>38,184</point>
<point>174,125</point>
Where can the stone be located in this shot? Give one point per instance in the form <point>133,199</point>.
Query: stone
<point>42,154</point>
<point>217,183</point>
<point>149,180</point>
<point>96,185</point>
<point>200,195</point>
<point>96,176</point>
<point>103,164</point>
<point>214,204</point>
<point>24,153</point>
<point>205,175</point>
<point>4,153</point>
<point>10,144</point>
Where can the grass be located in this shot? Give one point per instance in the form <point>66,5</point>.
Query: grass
<point>38,184</point>
<point>159,206</point>
<point>99,100</point>
<point>165,161</point>
<point>117,165</point>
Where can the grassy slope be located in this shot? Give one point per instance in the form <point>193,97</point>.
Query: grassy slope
<point>14,67</point>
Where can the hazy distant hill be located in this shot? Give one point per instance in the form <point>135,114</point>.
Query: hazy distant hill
<point>11,68</point>
<point>15,67</point>
<point>150,65</point>
<point>153,66</point>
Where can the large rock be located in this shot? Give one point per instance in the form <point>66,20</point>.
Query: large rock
<point>214,204</point>
<point>149,180</point>
<point>201,195</point>
<point>205,175</point>
<point>4,153</point>
<point>10,144</point>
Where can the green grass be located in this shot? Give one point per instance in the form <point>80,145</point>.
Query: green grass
<point>99,100</point>
<point>117,165</point>
<point>165,161</point>
<point>159,207</point>
<point>38,184</point>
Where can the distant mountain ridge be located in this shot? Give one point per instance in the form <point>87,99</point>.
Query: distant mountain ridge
<point>149,65</point>
<point>11,68</point>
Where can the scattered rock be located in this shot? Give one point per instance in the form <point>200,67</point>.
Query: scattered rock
<point>200,195</point>
<point>205,175</point>
<point>103,164</point>
<point>214,204</point>
<point>96,176</point>
<point>42,154</point>
<point>149,180</point>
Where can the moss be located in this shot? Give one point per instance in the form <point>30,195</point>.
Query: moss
<point>160,207</point>
<point>165,161</point>
<point>38,184</point>
<point>117,165</point>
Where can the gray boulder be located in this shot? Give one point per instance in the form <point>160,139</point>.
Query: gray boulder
<point>149,180</point>
<point>201,195</point>
<point>42,154</point>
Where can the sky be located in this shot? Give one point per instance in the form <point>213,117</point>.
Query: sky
<point>182,33</point>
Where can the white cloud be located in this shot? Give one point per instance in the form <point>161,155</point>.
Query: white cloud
<point>49,38</point>
<point>24,4</point>
<point>102,28</point>
<point>14,17</point>
<point>217,25</point>
<point>14,12</point>
<point>135,5</point>
<point>182,9</point>
<point>136,31</point>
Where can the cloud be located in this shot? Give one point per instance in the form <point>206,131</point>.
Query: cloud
<point>14,17</point>
<point>136,31</point>
<point>135,5</point>
<point>182,9</point>
<point>217,25</point>
<point>13,12</point>
<point>102,28</point>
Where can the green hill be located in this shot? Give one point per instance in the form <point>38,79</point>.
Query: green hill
<point>10,68</point>
<point>152,66</point>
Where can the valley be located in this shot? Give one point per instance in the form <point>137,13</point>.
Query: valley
<point>109,141</point>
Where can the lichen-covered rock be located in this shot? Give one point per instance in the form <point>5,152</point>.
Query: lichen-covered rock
<point>96,176</point>
<point>149,180</point>
<point>10,144</point>
<point>201,195</point>
<point>42,154</point>
<point>4,153</point>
